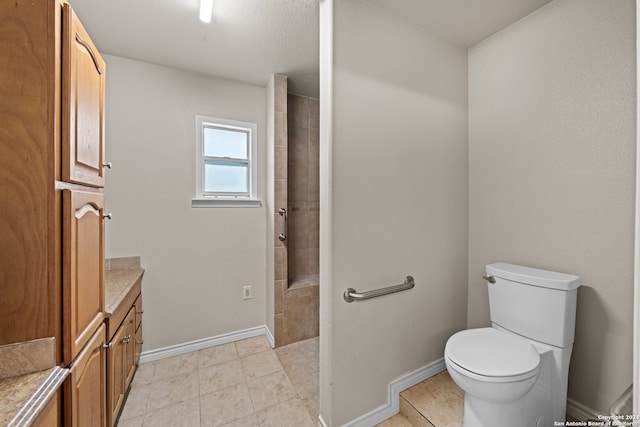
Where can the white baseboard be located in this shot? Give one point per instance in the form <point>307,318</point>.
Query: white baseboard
<point>178,349</point>
<point>580,412</point>
<point>392,406</point>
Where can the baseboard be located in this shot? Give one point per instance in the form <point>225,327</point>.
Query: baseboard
<point>392,406</point>
<point>321,420</point>
<point>178,349</point>
<point>580,412</point>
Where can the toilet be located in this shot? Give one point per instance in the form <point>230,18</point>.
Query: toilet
<point>515,372</point>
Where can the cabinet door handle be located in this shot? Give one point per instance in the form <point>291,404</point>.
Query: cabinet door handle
<point>140,312</point>
<point>108,346</point>
<point>107,216</point>
<point>126,339</point>
<point>107,165</point>
<point>140,342</point>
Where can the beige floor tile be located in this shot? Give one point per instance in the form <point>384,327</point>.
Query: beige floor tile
<point>174,366</point>
<point>289,355</point>
<point>290,413</point>
<point>439,399</point>
<point>220,376</point>
<point>173,390</point>
<point>184,414</point>
<point>395,421</point>
<point>260,364</point>
<point>131,422</point>
<point>312,345</point>
<point>413,415</point>
<point>252,346</point>
<point>218,354</point>
<point>305,381</point>
<point>313,360</point>
<point>248,421</point>
<point>270,390</point>
<point>136,403</point>
<point>225,406</point>
<point>144,374</point>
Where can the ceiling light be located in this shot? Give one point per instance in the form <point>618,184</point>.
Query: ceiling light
<point>206,7</point>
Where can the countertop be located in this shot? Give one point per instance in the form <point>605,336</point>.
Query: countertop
<point>23,397</point>
<point>117,284</point>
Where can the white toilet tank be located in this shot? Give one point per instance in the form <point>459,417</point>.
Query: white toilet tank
<point>537,304</point>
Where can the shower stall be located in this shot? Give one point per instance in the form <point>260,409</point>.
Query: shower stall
<point>296,225</point>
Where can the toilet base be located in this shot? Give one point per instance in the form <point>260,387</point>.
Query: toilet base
<point>534,410</point>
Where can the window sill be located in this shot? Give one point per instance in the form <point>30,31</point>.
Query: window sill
<point>225,203</point>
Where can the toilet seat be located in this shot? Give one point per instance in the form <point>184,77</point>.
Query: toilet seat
<point>492,355</point>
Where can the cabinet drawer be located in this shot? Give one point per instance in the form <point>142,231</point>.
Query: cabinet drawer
<point>83,83</point>
<point>83,269</point>
<point>85,387</point>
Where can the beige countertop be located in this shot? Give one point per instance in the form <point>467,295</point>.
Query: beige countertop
<point>117,284</point>
<point>22,398</point>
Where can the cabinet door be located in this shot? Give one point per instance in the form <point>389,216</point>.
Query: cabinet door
<point>130,351</point>
<point>139,340</point>
<point>85,388</point>
<point>83,85</point>
<point>83,268</point>
<point>121,367</point>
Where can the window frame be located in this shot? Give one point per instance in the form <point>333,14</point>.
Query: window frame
<point>226,199</point>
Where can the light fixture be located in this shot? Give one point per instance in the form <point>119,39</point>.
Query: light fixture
<point>206,7</point>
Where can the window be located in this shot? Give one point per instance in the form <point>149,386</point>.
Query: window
<point>225,163</point>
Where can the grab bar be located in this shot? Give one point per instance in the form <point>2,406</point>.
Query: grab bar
<point>351,295</point>
<point>283,236</point>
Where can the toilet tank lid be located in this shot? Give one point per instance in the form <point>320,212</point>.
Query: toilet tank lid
<point>534,276</point>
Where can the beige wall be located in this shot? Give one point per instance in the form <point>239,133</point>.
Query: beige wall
<point>196,259</point>
<point>551,172</point>
<point>394,202</point>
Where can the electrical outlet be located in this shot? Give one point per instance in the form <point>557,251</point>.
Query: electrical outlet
<point>246,292</point>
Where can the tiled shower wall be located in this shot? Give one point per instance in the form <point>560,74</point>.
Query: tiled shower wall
<point>296,159</point>
<point>303,190</point>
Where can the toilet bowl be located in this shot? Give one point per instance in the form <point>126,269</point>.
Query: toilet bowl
<point>515,373</point>
<point>492,365</point>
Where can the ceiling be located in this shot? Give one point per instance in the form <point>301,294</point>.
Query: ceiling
<point>248,40</point>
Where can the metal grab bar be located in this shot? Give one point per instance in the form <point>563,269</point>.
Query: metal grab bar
<point>351,295</point>
<point>283,236</point>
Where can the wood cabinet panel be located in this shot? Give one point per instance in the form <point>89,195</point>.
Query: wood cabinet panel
<point>83,77</point>
<point>83,268</point>
<point>85,388</point>
<point>51,414</point>
<point>29,293</point>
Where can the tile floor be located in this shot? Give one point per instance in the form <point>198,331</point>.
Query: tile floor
<point>241,384</point>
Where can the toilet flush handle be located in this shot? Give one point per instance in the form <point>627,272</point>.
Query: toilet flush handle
<point>489,278</point>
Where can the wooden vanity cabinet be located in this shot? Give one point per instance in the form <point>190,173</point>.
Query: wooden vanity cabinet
<point>52,83</point>
<point>125,336</point>
<point>121,364</point>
